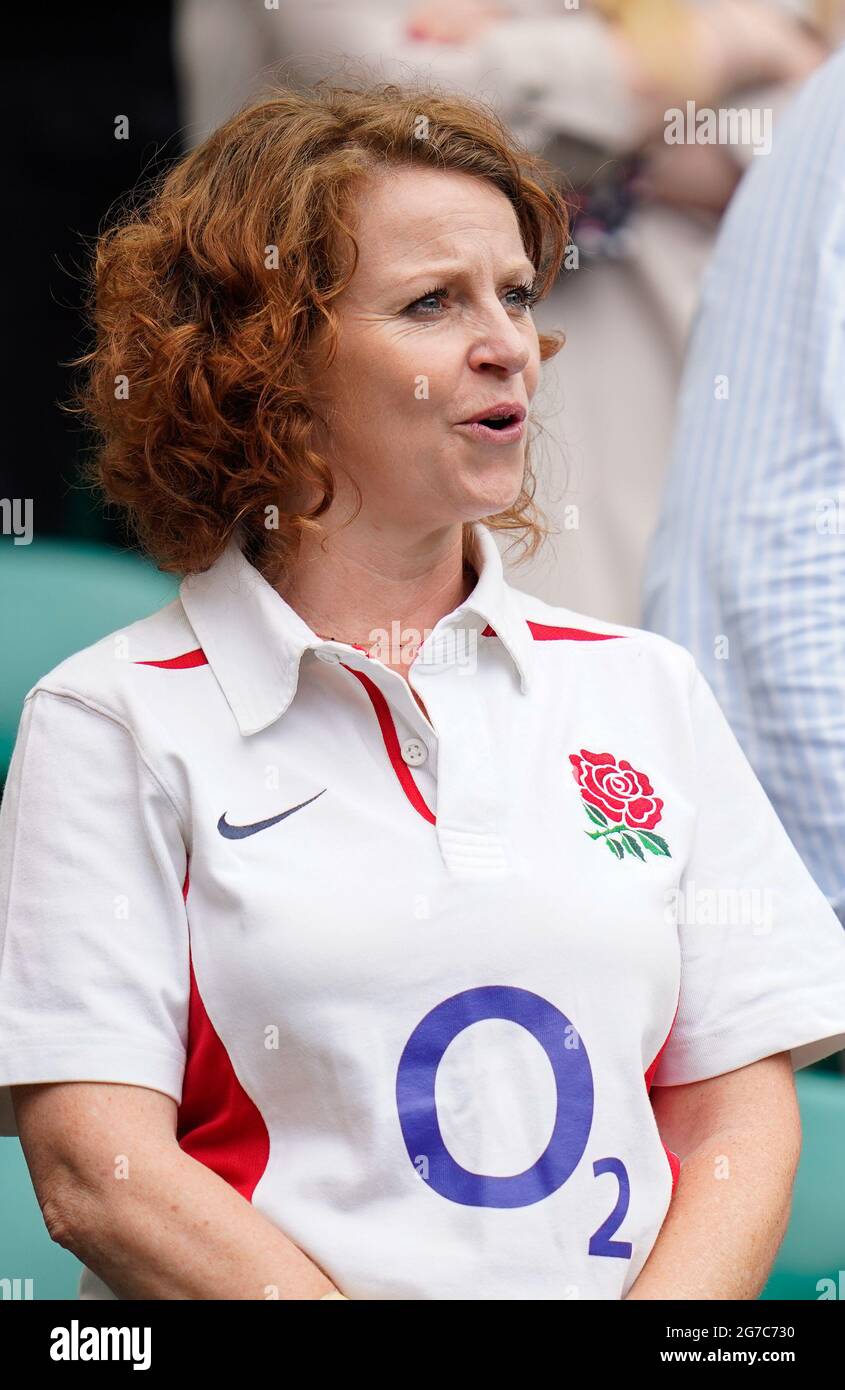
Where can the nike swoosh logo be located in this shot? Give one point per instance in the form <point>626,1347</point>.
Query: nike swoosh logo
<point>240,832</point>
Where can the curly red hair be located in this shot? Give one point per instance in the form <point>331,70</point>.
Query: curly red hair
<point>211,306</point>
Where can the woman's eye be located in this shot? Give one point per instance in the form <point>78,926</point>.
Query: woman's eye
<point>431,294</point>
<point>526,296</point>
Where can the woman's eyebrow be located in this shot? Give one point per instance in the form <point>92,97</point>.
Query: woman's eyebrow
<point>443,269</point>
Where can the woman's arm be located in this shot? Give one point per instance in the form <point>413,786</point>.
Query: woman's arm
<point>116,1190</point>
<point>739,1140</point>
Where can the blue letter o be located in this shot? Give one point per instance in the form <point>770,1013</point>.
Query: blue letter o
<point>418,1113</point>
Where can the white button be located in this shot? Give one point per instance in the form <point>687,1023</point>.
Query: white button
<point>414,752</point>
<point>331,657</point>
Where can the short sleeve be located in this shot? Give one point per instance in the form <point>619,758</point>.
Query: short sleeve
<point>762,951</point>
<point>94,965</point>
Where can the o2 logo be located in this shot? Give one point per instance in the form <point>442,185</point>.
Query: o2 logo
<point>573,1075</point>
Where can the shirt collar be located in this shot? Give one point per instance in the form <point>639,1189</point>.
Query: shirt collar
<point>254,641</point>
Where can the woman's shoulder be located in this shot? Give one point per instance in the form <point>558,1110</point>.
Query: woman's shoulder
<point>104,675</point>
<point>554,624</point>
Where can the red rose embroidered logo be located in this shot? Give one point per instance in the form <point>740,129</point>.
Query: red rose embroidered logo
<point>620,801</point>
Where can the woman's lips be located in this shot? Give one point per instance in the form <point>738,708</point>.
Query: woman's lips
<point>486,434</point>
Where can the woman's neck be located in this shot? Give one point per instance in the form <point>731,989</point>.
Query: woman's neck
<point>383,597</point>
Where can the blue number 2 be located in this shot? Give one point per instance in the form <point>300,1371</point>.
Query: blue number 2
<point>600,1242</point>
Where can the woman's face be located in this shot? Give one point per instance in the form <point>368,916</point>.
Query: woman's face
<point>412,365</point>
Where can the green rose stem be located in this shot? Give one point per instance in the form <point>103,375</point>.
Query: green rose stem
<point>612,830</point>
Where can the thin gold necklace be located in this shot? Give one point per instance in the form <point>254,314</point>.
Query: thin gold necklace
<point>468,570</point>
<point>327,638</point>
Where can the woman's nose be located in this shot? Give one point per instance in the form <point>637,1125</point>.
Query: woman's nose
<point>503,347</point>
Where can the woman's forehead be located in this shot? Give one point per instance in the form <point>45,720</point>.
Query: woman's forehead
<point>424,216</point>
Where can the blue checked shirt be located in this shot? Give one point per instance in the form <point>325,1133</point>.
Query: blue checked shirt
<point>747,567</point>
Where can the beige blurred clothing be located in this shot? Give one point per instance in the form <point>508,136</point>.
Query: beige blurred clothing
<point>607,404</point>
<point>226,49</point>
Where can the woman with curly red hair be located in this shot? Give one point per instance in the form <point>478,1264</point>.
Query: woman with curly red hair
<point>373,929</point>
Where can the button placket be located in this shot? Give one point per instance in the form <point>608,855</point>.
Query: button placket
<point>469,792</point>
<point>417,749</point>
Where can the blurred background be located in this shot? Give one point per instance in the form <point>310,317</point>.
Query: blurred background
<point>118,99</point>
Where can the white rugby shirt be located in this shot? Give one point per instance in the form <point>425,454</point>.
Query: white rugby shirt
<point>409,982</point>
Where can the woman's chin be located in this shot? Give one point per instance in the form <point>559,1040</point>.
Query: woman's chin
<point>484,491</point>
<point>489,501</point>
